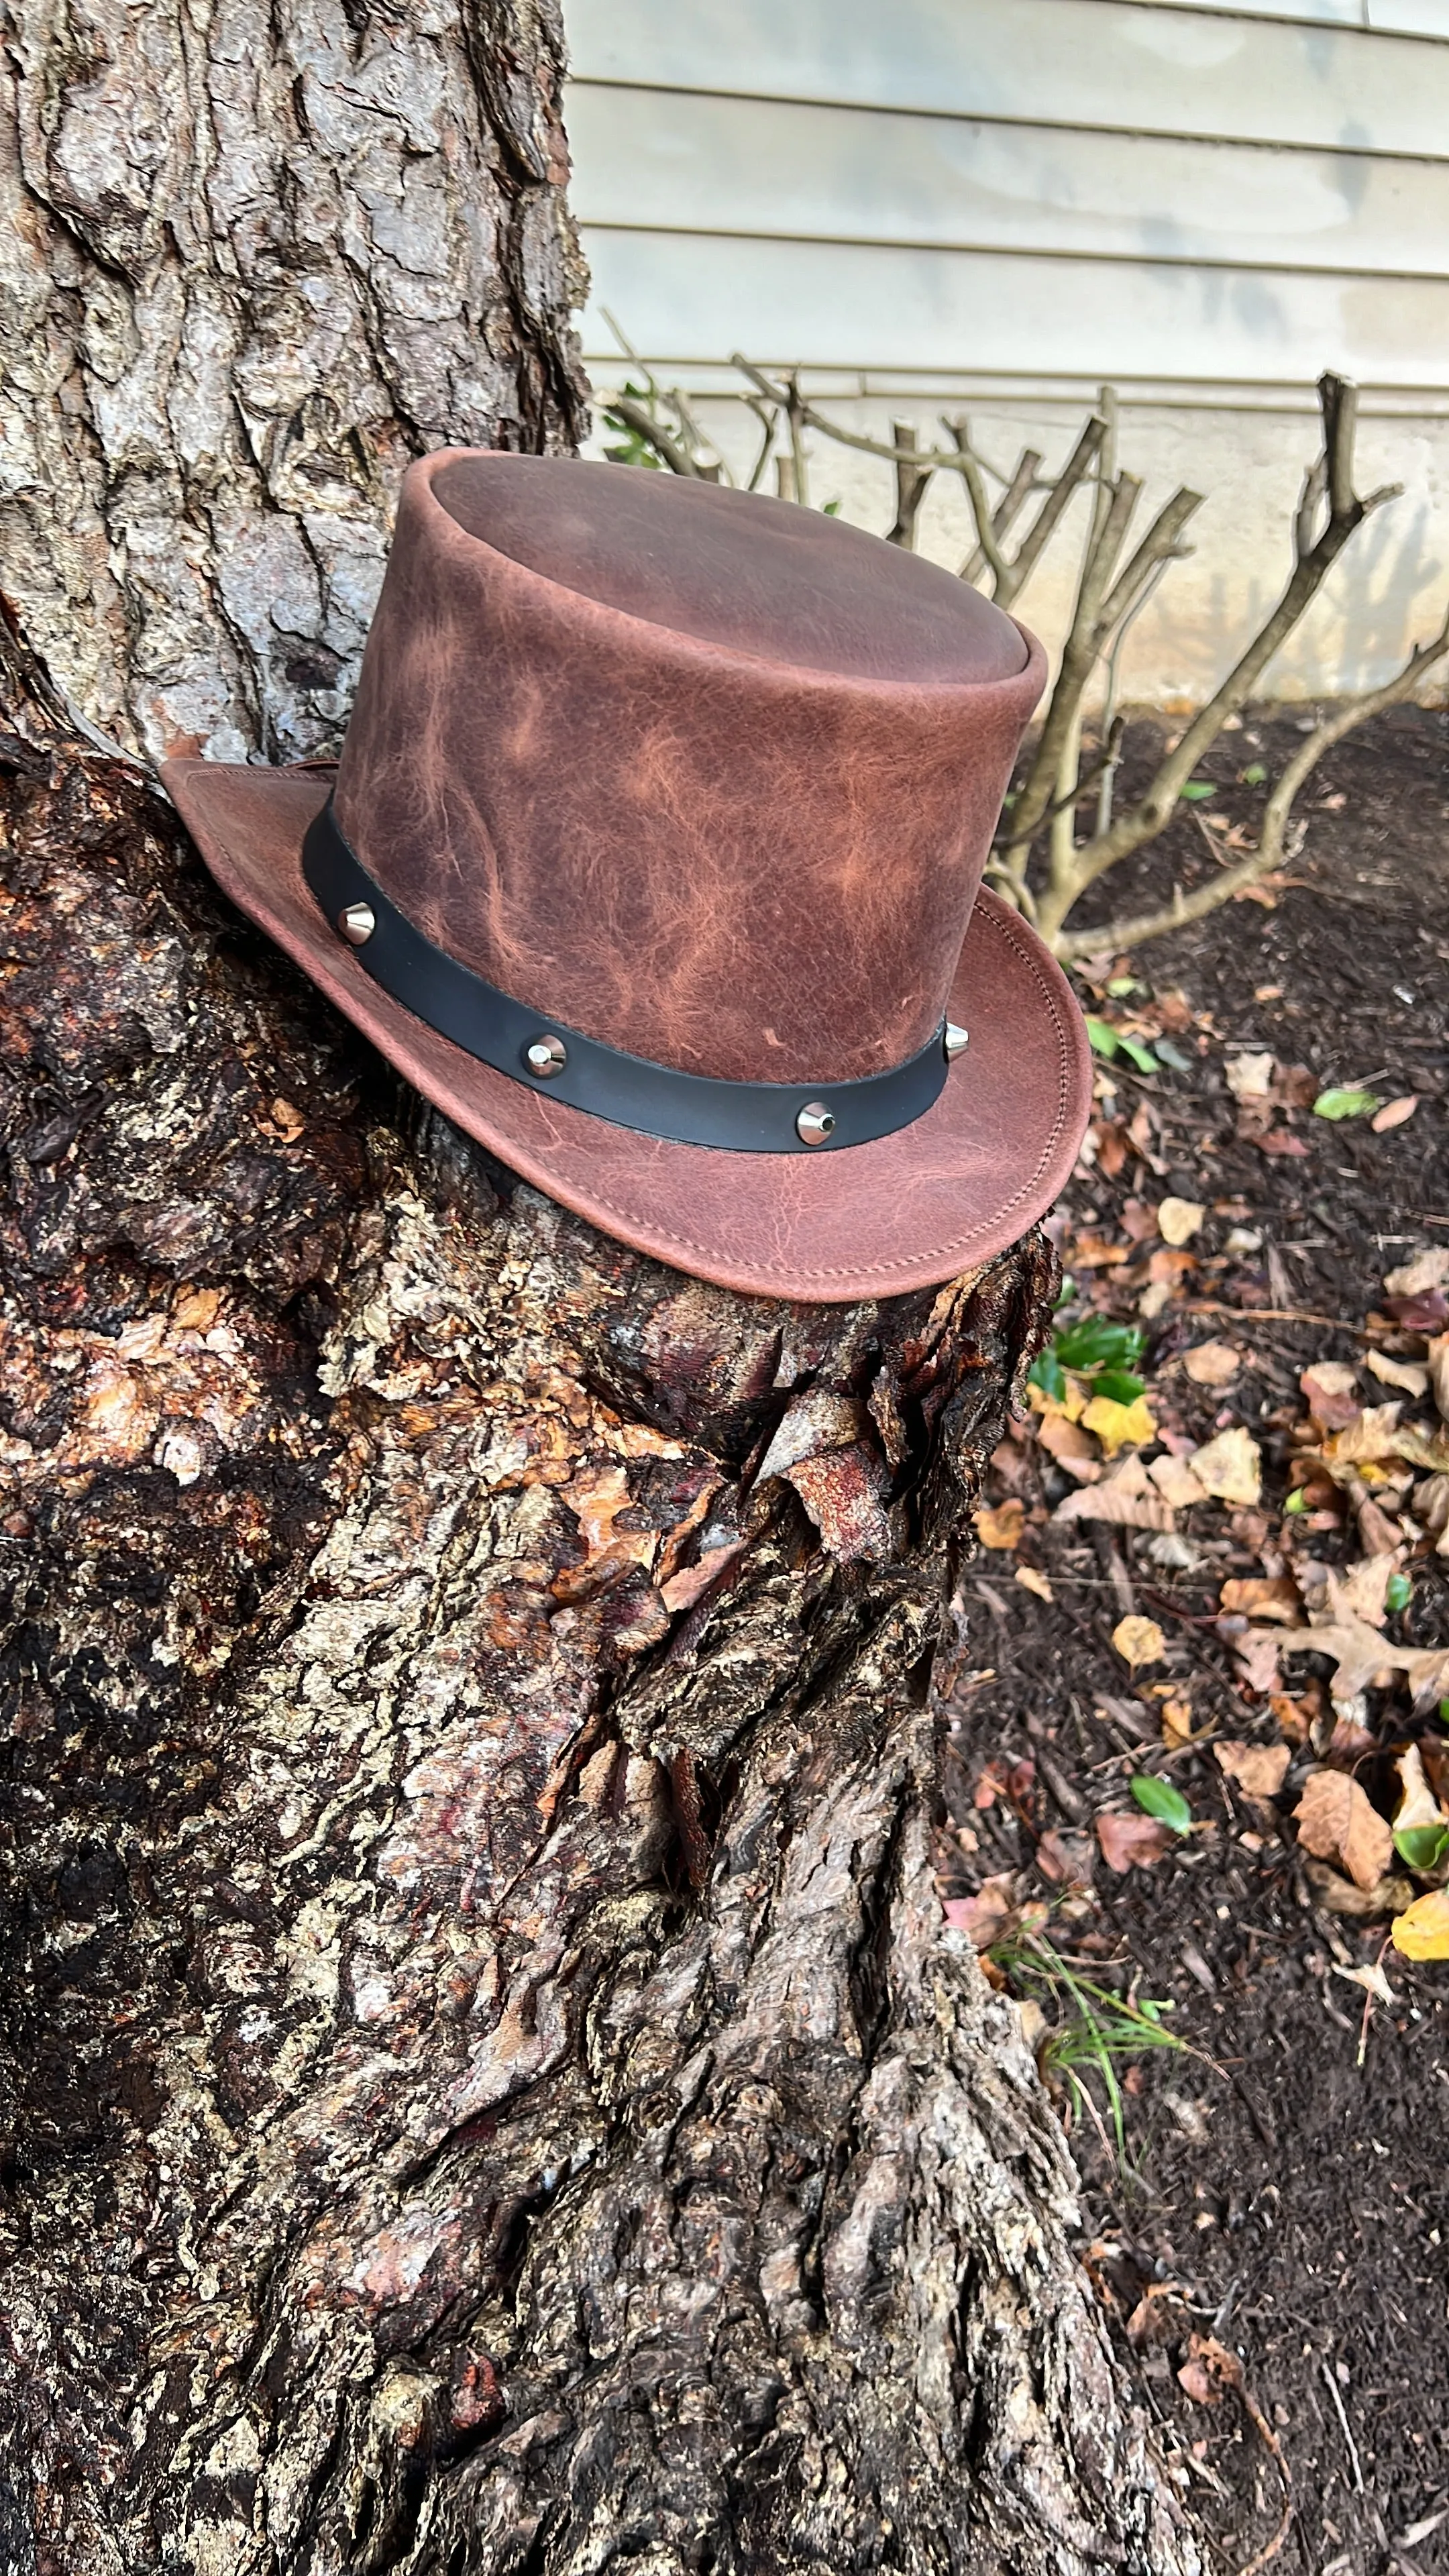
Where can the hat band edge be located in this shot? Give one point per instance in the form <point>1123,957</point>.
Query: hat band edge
<point>586,1073</point>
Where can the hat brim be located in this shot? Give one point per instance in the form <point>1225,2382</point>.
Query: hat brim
<point>904,1212</point>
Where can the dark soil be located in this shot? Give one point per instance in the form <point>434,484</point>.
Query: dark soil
<point>1293,2203</point>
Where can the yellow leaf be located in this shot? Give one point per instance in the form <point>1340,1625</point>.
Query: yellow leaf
<point>1117,1425</point>
<point>1001,1527</point>
<point>1422,1930</point>
<point>1070,1406</point>
<point>1034,1582</point>
<point>1139,1641</point>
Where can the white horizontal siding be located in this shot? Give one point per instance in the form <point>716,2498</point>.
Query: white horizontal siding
<point>666,160</point>
<point>696,298</point>
<point>1110,64</point>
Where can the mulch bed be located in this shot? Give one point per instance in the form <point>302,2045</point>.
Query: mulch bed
<point>1276,2209</point>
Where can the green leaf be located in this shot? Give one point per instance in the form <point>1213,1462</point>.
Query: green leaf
<point>1196,789</point>
<point>1345,1102</point>
<point>1094,1342</point>
<point>1122,985</point>
<point>831,508</point>
<point>1119,1384</point>
<point>1142,1056</point>
<point>1422,1846</point>
<point>1104,1038</point>
<point>1442,1712</point>
<point>1254,774</point>
<point>1047,1373</point>
<point>1173,1055</point>
<point>1398,1593</point>
<point>1297,1501</point>
<point>1159,1798</point>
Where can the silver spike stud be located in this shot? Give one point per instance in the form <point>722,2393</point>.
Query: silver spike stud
<point>955,1041</point>
<point>546,1057</point>
<point>815,1124</point>
<point>357,922</point>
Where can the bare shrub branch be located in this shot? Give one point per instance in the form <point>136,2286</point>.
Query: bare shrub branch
<point>1110,593</point>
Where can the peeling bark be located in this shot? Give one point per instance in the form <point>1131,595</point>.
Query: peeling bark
<point>253,258</point>
<point>490,2088</point>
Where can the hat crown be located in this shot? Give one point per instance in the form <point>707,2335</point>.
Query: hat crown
<point>705,776</point>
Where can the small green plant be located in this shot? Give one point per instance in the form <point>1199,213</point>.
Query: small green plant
<point>1109,1042</point>
<point>1090,2030</point>
<point>636,446</point>
<point>1158,1798</point>
<point>1094,1348</point>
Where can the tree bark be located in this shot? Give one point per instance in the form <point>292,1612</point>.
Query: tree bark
<point>490,2086</point>
<point>254,258</point>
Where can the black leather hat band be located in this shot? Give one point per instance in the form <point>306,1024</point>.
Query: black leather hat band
<point>546,1056</point>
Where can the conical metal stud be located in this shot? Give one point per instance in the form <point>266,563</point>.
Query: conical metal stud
<point>357,922</point>
<point>955,1040</point>
<point>546,1057</point>
<point>815,1124</point>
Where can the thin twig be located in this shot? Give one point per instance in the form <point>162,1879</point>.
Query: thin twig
<point>1331,2384</point>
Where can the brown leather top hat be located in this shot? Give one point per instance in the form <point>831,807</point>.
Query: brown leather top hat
<point>653,858</point>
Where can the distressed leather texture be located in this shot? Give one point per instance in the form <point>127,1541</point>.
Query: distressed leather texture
<point>713,779</point>
<point>721,798</point>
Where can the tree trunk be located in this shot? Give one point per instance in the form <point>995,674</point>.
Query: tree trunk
<point>252,259</point>
<point>490,2089</point>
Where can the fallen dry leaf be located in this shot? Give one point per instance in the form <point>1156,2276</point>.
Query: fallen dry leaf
<point>1336,1894</point>
<point>1139,1641</point>
<point>1371,1978</point>
<point>1071,1447</point>
<point>1359,1653</point>
<point>1176,1482</point>
<point>1178,1220</point>
<point>1330,1390</point>
<point>1131,1841</point>
<point>1000,1527</point>
<point>1259,1769</point>
<point>1176,1724</point>
<point>1231,1466</point>
<point>1256,1654</point>
<point>1374,1437</point>
<point>1208,2370</point>
<point>1118,1424</point>
<point>1363,1591</point>
<point>990,1914</point>
<point>1417,1278</point>
<point>1417,1803</point>
<point>1336,1822</point>
<point>1407,1375</point>
<point>1212,1363</point>
<point>1065,1859</point>
<point>1422,1930</point>
<point>1394,1113</point>
<point>1068,1407</point>
<point>1249,1076</point>
<point>1119,1510</point>
<point>1262,1596</point>
<point>1033,1581</point>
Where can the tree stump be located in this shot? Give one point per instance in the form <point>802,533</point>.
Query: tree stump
<point>490,2088</point>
